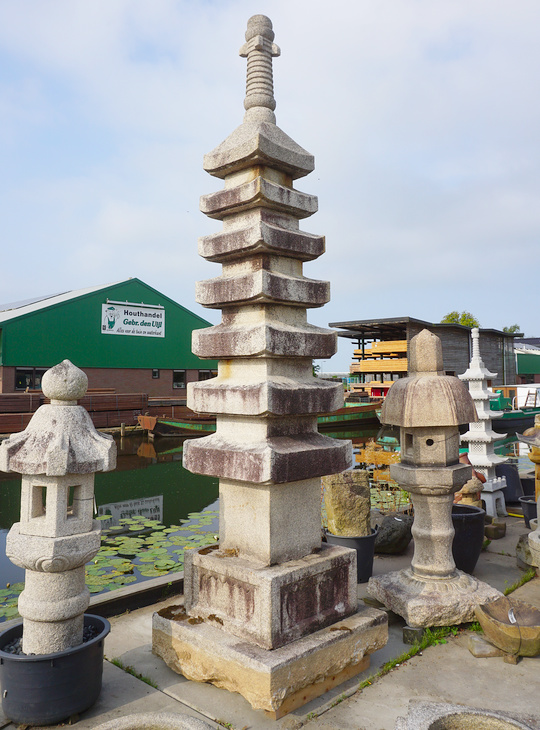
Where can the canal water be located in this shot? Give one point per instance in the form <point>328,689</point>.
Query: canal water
<point>151,508</point>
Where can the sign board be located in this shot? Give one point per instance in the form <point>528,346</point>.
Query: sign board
<point>150,507</point>
<point>132,319</point>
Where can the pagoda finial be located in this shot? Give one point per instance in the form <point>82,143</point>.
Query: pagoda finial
<point>475,335</point>
<point>259,49</point>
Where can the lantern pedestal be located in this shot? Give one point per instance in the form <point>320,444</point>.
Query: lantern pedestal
<point>426,602</point>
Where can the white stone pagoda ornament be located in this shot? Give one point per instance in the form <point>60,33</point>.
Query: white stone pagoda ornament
<point>57,455</point>
<point>271,612</point>
<point>429,407</point>
<point>480,436</point>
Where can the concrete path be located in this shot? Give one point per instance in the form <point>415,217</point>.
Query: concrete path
<point>443,673</point>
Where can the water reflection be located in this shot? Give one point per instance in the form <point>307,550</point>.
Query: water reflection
<point>149,480</point>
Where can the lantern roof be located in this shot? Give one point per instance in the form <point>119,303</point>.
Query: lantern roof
<point>427,397</point>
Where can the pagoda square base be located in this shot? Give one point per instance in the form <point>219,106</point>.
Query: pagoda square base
<point>277,681</point>
<point>271,605</point>
<point>431,602</point>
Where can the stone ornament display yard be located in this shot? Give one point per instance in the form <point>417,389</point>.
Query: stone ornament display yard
<point>272,613</point>
<point>429,407</point>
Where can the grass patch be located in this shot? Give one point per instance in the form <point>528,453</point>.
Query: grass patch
<point>129,670</point>
<point>525,578</point>
<point>431,637</point>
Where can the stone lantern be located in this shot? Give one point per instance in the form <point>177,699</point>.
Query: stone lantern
<point>57,455</point>
<point>428,407</point>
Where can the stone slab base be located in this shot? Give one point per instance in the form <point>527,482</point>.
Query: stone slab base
<point>276,681</point>
<point>271,606</point>
<point>425,603</point>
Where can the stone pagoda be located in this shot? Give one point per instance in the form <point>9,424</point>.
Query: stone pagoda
<point>480,435</point>
<point>272,612</point>
<point>57,455</point>
<point>428,407</point>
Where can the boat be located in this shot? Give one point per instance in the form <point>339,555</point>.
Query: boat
<point>350,417</point>
<point>187,426</point>
<point>193,424</point>
<point>517,405</point>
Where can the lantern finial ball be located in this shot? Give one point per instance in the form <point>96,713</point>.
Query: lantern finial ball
<point>64,382</point>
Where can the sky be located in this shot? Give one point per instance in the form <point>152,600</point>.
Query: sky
<point>423,117</point>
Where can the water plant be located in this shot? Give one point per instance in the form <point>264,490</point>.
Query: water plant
<point>135,549</point>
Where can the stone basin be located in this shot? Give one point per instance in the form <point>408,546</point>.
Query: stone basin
<point>511,625</point>
<point>441,716</point>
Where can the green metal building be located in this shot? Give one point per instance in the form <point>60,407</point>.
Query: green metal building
<point>126,336</point>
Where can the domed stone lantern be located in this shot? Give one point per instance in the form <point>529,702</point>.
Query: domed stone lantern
<point>428,407</point>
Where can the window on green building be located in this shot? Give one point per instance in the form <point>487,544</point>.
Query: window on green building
<point>179,379</point>
<point>29,378</point>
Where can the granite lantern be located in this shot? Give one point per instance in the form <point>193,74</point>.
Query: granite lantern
<point>271,613</point>
<point>428,407</point>
<point>57,455</point>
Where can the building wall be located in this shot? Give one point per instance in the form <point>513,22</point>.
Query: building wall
<point>138,380</point>
<point>496,351</point>
<point>7,379</point>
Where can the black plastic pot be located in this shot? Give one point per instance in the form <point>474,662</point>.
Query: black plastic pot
<point>530,510</point>
<point>468,524</point>
<point>365,549</point>
<point>47,688</point>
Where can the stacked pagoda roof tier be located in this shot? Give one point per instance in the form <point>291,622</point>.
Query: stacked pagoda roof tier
<point>480,436</point>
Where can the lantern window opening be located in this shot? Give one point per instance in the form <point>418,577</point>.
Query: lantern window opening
<point>73,497</point>
<point>38,507</point>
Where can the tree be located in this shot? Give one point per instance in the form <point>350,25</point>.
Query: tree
<point>511,329</point>
<point>465,318</point>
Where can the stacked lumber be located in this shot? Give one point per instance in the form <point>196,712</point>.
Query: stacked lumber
<point>14,422</point>
<point>20,402</point>
<point>106,409</point>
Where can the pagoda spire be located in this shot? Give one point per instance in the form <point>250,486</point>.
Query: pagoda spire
<point>259,49</point>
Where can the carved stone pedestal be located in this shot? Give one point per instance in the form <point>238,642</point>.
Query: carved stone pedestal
<point>429,602</point>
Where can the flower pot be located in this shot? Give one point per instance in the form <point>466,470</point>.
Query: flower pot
<point>365,549</point>
<point>44,689</point>
<point>528,505</point>
<point>468,522</point>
